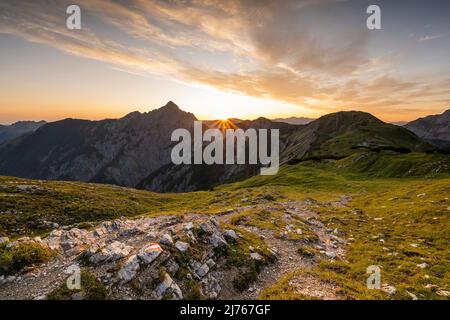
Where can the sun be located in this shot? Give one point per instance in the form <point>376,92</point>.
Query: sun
<point>224,124</point>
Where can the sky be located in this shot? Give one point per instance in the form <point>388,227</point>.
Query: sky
<point>219,59</point>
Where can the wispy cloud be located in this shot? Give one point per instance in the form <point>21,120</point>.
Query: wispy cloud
<point>428,37</point>
<point>271,50</point>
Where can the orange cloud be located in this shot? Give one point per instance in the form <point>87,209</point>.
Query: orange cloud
<point>270,52</point>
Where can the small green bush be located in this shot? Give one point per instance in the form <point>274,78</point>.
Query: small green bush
<point>91,289</point>
<point>306,252</point>
<point>244,279</point>
<point>336,266</point>
<point>193,290</point>
<point>22,255</point>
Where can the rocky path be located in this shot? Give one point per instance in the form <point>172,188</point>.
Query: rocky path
<point>123,243</point>
<point>288,259</point>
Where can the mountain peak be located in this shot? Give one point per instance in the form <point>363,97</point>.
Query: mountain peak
<point>345,119</point>
<point>171,111</point>
<point>171,106</point>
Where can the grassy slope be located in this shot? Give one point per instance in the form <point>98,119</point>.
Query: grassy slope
<point>26,211</point>
<point>342,134</point>
<point>75,202</point>
<point>390,209</point>
<point>392,214</point>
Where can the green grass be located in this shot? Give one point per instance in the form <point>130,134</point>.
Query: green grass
<point>22,255</point>
<point>238,255</point>
<point>26,212</point>
<point>90,289</point>
<point>273,219</point>
<point>307,252</point>
<point>391,165</point>
<point>397,200</point>
<point>385,217</point>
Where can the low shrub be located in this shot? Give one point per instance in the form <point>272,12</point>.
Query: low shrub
<point>22,255</point>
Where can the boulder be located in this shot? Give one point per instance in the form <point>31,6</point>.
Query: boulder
<point>202,270</point>
<point>211,286</point>
<point>168,287</point>
<point>217,240</point>
<point>149,252</point>
<point>114,251</point>
<point>443,293</point>
<point>172,267</point>
<point>151,235</point>
<point>188,226</point>
<point>129,269</point>
<point>214,221</point>
<point>74,251</point>
<point>230,235</point>
<point>117,224</point>
<point>207,227</point>
<point>166,240</point>
<point>53,243</point>
<point>74,233</point>
<point>412,295</point>
<point>191,236</point>
<point>38,240</point>
<point>100,231</point>
<point>129,230</point>
<point>56,233</point>
<point>256,256</point>
<point>388,289</point>
<point>67,245</point>
<point>210,263</point>
<point>182,246</point>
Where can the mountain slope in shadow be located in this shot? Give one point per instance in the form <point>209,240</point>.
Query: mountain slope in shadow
<point>434,129</point>
<point>135,151</point>
<point>8,133</point>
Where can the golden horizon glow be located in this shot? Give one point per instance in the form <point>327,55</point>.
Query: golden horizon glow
<point>139,55</point>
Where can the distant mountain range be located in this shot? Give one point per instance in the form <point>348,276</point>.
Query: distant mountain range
<point>303,121</point>
<point>399,123</point>
<point>134,151</point>
<point>10,132</point>
<point>295,120</point>
<point>121,151</point>
<point>131,151</point>
<point>435,129</point>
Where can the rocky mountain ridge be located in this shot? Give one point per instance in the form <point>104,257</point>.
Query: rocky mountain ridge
<point>134,151</point>
<point>10,132</point>
<point>434,128</point>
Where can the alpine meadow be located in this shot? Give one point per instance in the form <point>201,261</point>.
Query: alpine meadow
<point>224,150</point>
